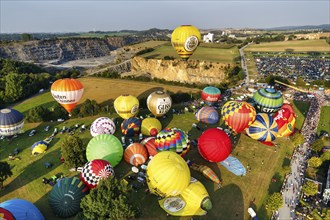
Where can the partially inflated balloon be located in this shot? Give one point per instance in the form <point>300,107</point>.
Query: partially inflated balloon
<point>238,115</point>
<point>106,147</point>
<point>167,174</point>
<point>211,95</point>
<point>136,154</point>
<point>39,147</point>
<point>173,139</point>
<point>67,92</point>
<point>102,125</point>
<point>126,106</point>
<point>268,100</point>
<point>264,128</point>
<point>151,126</point>
<point>185,40</point>
<point>159,103</point>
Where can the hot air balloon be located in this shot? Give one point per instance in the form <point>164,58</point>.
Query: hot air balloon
<point>150,144</point>
<point>206,171</point>
<point>211,95</point>
<point>214,145</point>
<point>173,139</point>
<point>234,165</point>
<point>5,214</point>
<point>136,154</point>
<point>194,200</point>
<point>167,174</point>
<point>264,128</point>
<point>126,106</point>
<point>106,147</point>
<point>289,107</point>
<point>66,195</point>
<point>150,126</point>
<point>238,115</point>
<point>207,115</point>
<point>159,103</point>
<point>11,122</point>
<point>268,100</point>
<point>285,120</point>
<point>131,126</point>
<point>39,147</point>
<point>20,209</point>
<point>185,40</point>
<point>94,171</point>
<point>67,92</point>
<point>102,125</point>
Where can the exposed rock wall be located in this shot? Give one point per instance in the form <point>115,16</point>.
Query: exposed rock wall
<point>191,71</point>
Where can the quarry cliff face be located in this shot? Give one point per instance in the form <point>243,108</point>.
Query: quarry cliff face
<point>191,71</point>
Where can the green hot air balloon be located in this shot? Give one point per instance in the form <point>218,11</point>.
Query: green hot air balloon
<point>268,100</point>
<point>106,147</point>
<point>66,195</point>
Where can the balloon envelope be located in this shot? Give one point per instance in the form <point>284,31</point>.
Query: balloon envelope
<point>264,128</point>
<point>102,125</point>
<point>5,214</point>
<point>126,106</point>
<point>211,95</point>
<point>285,120</point>
<point>66,195</point>
<point>136,154</point>
<point>39,147</point>
<point>11,122</point>
<point>150,144</point>
<point>94,171</point>
<point>159,103</point>
<point>106,147</point>
<point>238,115</point>
<point>267,100</point>
<point>185,40</point>
<point>173,139</point>
<point>167,174</point>
<point>207,115</point>
<point>234,165</point>
<point>214,145</point>
<point>67,92</point>
<point>131,126</point>
<point>150,126</point>
<point>22,209</point>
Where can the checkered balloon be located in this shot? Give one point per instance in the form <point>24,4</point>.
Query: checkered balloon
<point>103,125</point>
<point>94,171</point>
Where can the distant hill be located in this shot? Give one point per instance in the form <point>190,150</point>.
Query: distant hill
<point>305,27</point>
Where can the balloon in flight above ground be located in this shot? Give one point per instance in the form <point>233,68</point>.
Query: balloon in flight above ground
<point>238,115</point>
<point>131,126</point>
<point>267,100</point>
<point>102,125</point>
<point>39,147</point>
<point>19,209</point>
<point>234,165</point>
<point>211,95</point>
<point>185,39</point>
<point>11,122</point>
<point>207,115</point>
<point>264,128</point>
<point>173,139</point>
<point>150,144</point>
<point>214,145</point>
<point>106,147</point>
<point>285,120</point>
<point>194,200</point>
<point>167,174</point>
<point>67,92</point>
<point>95,170</point>
<point>126,106</point>
<point>150,126</point>
<point>136,154</point>
<point>206,171</point>
<point>66,195</point>
<point>159,103</point>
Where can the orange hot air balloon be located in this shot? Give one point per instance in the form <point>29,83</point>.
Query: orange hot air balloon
<point>136,154</point>
<point>150,144</point>
<point>67,92</point>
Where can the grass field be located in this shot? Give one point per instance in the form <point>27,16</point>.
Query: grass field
<point>229,202</point>
<point>301,109</point>
<point>296,46</point>
<point>324,123</point>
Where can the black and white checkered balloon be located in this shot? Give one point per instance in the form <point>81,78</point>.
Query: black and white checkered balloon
<point>102,125</point>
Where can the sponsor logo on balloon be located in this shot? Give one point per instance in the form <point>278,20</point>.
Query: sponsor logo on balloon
<point>191,43</point>
<point>134,110</point>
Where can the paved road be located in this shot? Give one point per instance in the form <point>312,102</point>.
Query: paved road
<point>244,66</point>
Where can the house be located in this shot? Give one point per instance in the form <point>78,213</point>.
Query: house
<point>208,38</point>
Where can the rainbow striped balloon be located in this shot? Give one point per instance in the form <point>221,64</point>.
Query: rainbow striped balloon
<point>264,128</point>
<point>172,139</point>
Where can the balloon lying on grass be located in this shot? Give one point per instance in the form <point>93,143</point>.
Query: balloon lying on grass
<point>267,100</point>
<point>131,126</point>
<point>211,95</point>
<point>19,209</point>
<point>207,115</point>
<point>11,122</point>
<point>136,154</point>
<point>65,197</point>
<point>173,139</point>
<point>234,165</point>
<point>206,171</point>
<point>67,92</point>
<point>194,200</point>
<point>95,170</point>
<point>264,128</point>
<point>126,106</point>
<point>106,147</point>
<point>102,125</point>
<point>150,126</point>
<point>159,103</point>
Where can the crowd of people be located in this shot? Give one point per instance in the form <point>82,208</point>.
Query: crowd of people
<point>307,68</point>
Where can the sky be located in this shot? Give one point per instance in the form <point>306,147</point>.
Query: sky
<point>17,16</point>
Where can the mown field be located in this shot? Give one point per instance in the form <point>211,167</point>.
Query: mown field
<point>324,123</point>
<point>229,202</point>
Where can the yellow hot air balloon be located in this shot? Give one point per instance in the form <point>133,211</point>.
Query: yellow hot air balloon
<point>185,40</point>
<point>67,92</point>
<point>167,174</point>
<point>126,106</point>
<point>194,200</point>
<point>159,103</point>
<point>151,126</point>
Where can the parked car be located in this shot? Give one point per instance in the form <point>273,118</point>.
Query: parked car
<point>33,132</point>
<point>47,128</point>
